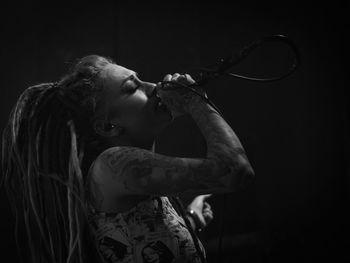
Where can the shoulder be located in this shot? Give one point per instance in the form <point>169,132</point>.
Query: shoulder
<point>114,159</point>
<point>100,174</point>
<point>112,164</point>
<point>104,178</point>
<point>121,159</point>
<point>107,185</point>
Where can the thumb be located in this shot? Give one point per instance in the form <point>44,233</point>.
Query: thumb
<point>207,196</point>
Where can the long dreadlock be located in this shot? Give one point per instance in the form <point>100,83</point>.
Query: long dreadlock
<point>47,147</point>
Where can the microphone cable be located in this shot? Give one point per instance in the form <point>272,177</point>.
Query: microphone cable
<point>180,208</point>
<point>223,69</point>
<point>224,65</point>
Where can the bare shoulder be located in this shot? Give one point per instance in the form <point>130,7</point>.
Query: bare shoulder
<point>106,192</point>
<point>105,171</point>
<point>119,166</point>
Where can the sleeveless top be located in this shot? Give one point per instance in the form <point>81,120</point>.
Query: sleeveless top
<point>150,232</point>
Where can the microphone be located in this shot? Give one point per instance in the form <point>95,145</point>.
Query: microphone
<point>224,65</point>
<point>169,85</point>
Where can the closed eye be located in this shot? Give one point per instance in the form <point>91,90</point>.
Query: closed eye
<point>133,90</point>
<point>132,84</point>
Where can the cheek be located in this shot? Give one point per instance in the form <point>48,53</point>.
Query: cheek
<point>134,105</point>
<point>137,112</point>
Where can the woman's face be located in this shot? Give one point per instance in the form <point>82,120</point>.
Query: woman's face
<point>107,252</point>
<point>133,104</point>
<point>150,256</point>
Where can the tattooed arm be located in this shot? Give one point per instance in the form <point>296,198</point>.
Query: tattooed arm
<point>131,170</point>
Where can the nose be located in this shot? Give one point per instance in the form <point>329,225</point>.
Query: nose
<point>150,89</point>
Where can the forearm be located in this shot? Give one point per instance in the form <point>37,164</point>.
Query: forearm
<point>226,165</point>
<point>194,220</point>
<point>219,136</point>
<point>223,144</point>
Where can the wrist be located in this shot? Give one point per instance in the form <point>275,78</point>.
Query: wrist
<point>191,220</point>
<point>194,219</point>
<point>198,106</point>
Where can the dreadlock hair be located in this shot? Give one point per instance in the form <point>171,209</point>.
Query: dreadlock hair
<point>48,145</point>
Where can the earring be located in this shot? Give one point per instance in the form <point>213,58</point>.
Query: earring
<point>109,126</point>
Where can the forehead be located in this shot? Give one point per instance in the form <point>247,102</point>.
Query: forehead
<point>114,75</point>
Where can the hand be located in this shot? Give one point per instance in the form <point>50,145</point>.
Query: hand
<point>202,210</point>
<point>177,99</point>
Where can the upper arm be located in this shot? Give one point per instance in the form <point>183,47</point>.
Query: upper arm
<point>136,171</point>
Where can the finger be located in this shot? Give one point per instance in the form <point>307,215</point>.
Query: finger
<point>175,76</point>
<point>167,77</point>
<point>203,197</point>
<point>158,86</point>
<point>206,205</point>
<point>206,210</point>
<point>182,77</point>
<point>207,196</point>
<point>185,79</point>
<point>208,217</point>
<point>208,213</point>
<point>189,78</point>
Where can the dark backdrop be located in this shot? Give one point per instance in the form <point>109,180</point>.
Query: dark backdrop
<point>295,131</point>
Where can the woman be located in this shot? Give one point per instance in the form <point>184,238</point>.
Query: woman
<point>80,168</point>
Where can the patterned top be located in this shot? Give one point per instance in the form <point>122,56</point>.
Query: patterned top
<point>150,232</point>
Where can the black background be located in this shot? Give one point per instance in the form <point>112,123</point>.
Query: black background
<point>295,131</point>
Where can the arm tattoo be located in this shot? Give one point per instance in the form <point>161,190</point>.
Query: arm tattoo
<point>221,140</point>
<point>150,173</point>
<point>95,193</point>
<point>143,172</point>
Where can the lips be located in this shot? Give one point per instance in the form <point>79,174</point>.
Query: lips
<point>160,109</point>
<point>159,104</point>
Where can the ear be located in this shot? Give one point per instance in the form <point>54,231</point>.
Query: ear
<point>107,129</point>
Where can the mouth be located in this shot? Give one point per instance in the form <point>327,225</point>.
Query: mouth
<point>159,105</point>
<point>162,112</point>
